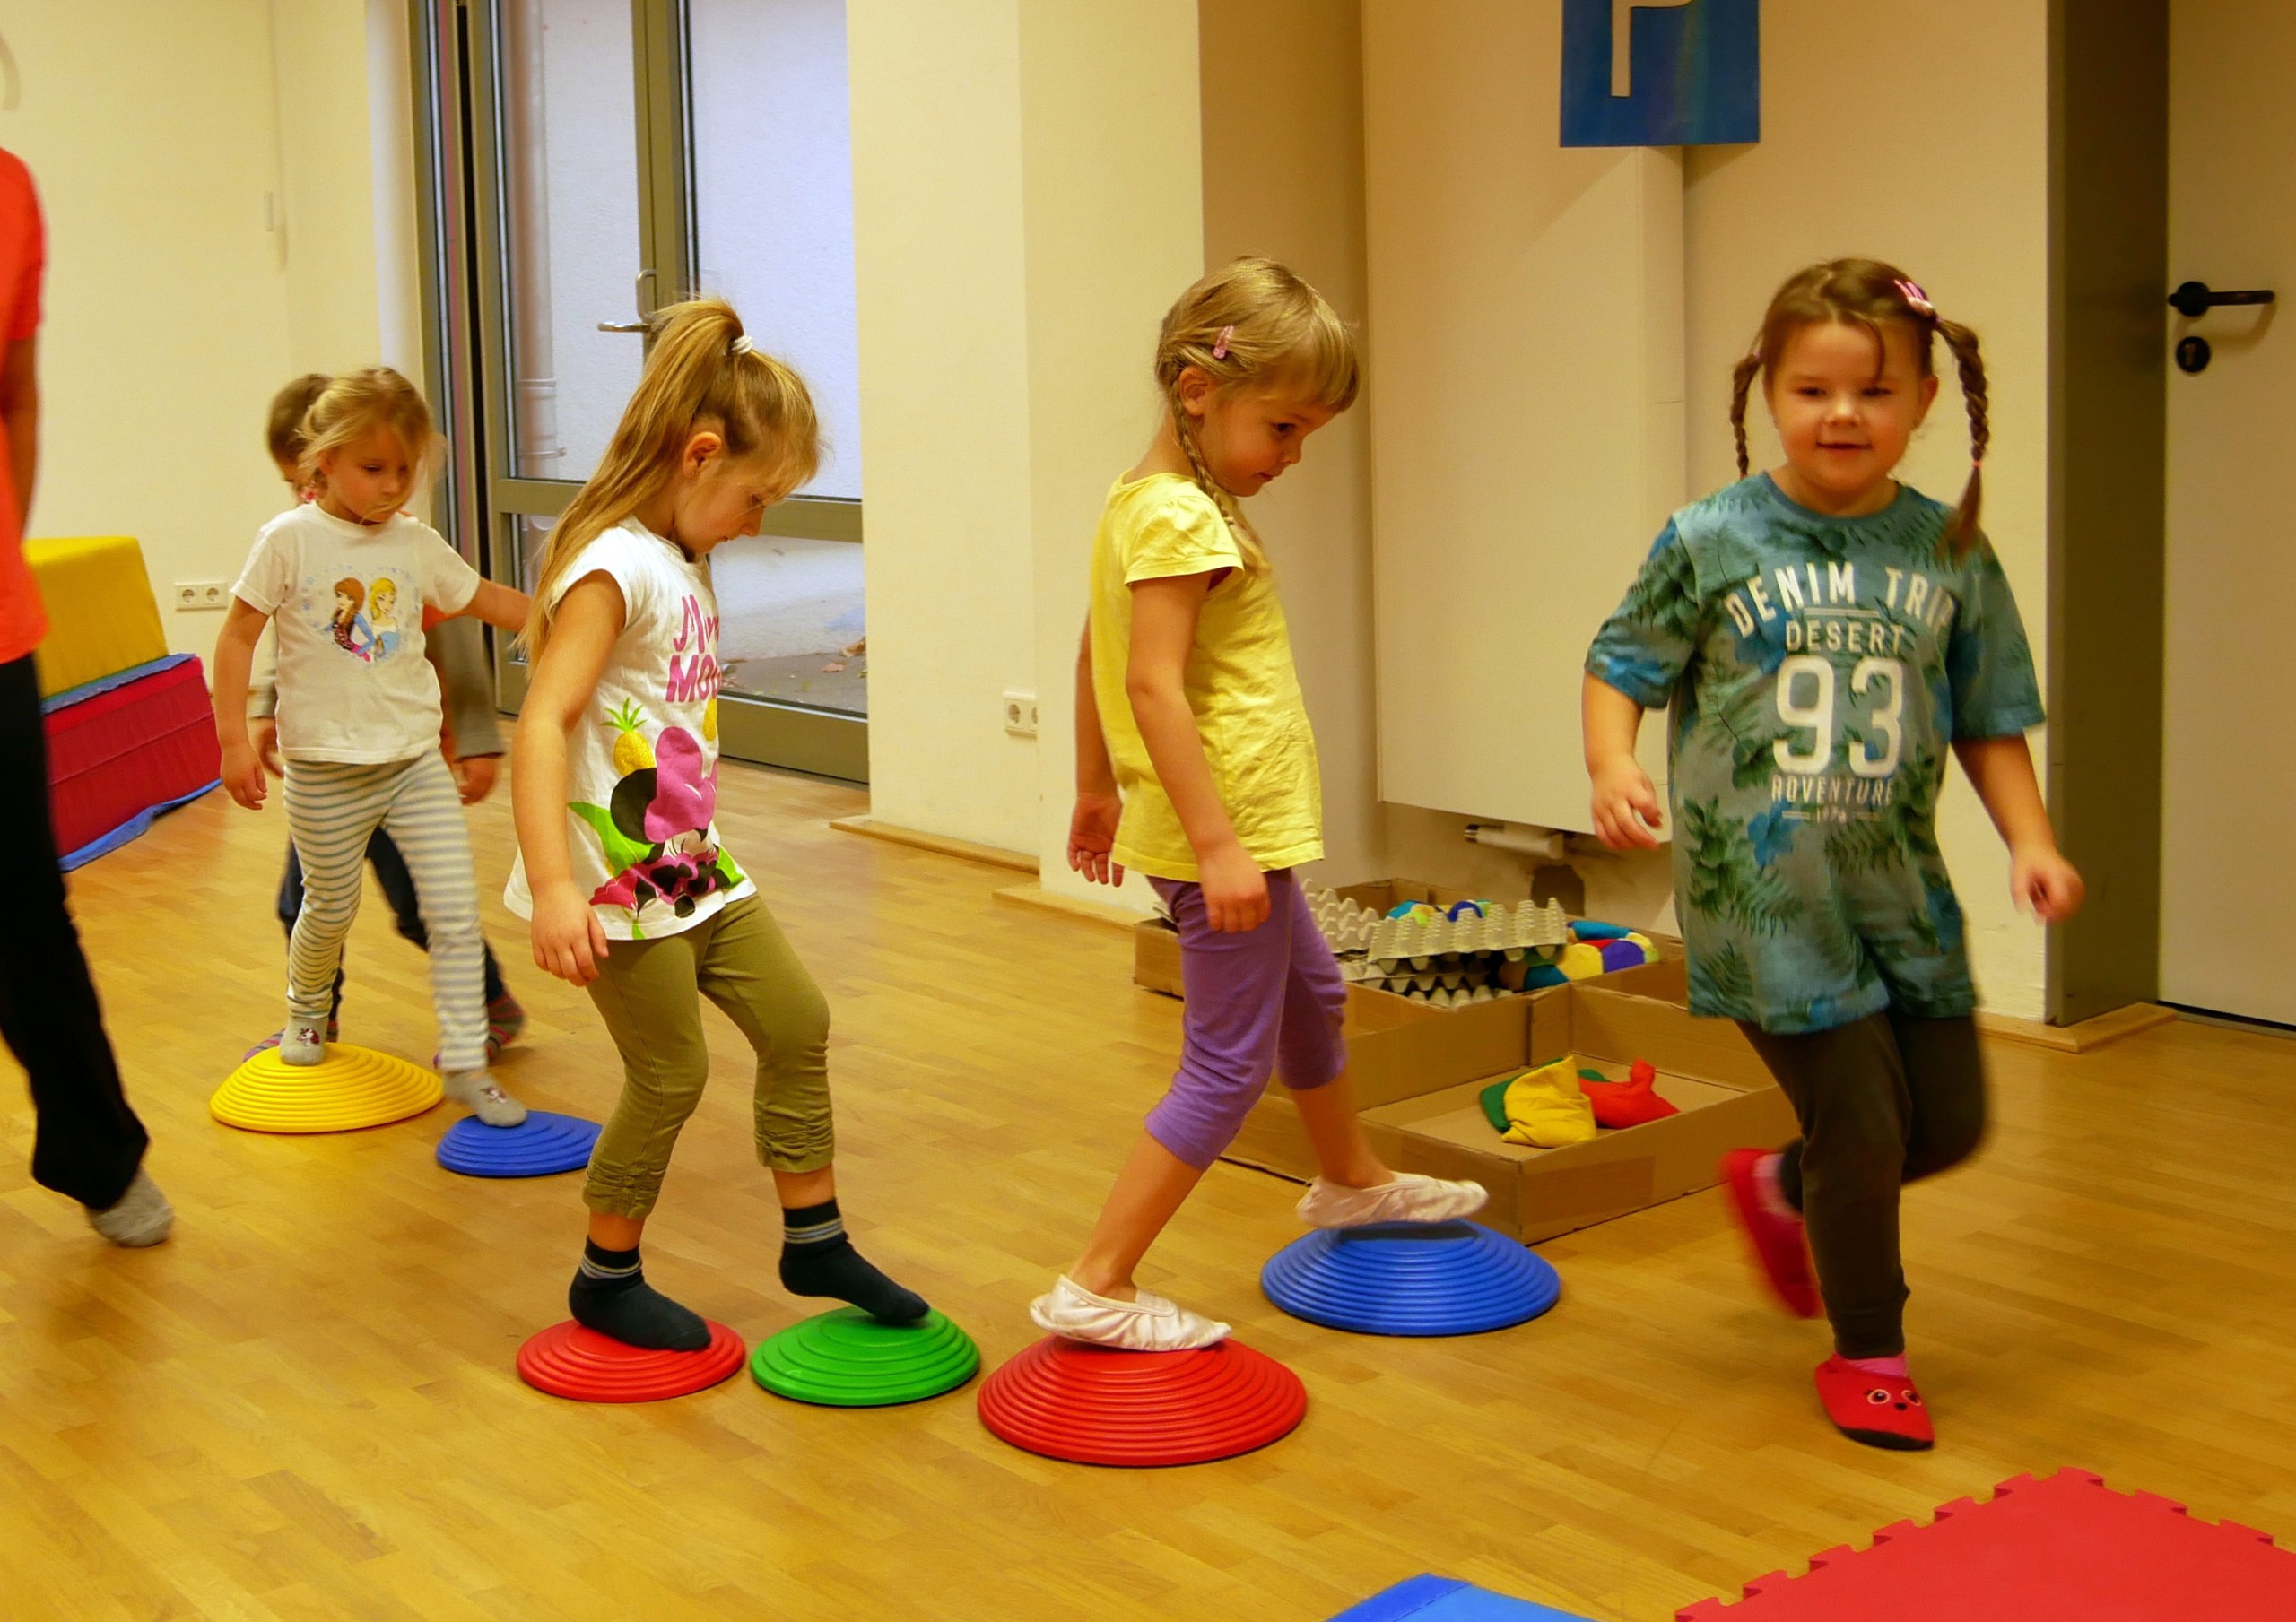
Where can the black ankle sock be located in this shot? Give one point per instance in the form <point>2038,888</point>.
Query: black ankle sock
<point>818,1260</point>
<point>610,1295</point>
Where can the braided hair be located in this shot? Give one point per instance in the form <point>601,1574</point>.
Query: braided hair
<point>1867,292</point>
<point>1252,322</point>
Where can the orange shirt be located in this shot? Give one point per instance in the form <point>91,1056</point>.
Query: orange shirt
<point>23,253</point>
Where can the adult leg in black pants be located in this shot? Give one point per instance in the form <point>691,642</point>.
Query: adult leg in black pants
<point>89,1144</point>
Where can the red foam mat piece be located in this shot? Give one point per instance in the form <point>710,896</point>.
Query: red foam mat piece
<point>120,752</point>
<point>1096,1405</point>
<point>567,1360</point>
<point>2065,1547</point>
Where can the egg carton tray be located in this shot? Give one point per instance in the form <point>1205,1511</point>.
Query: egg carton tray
<point>1507,931</point>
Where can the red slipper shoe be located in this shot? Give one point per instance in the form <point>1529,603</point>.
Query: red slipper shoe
<point>1880,1411</point>
<point>1629,1103</point>
<point>1781,1249</point>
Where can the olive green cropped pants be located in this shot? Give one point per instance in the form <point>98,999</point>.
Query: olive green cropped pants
<point>650,991</point>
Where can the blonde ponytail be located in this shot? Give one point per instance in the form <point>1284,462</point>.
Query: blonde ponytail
<point>703,373</point>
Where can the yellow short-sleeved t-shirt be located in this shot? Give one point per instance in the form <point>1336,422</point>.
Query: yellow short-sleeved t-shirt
<point>1240,682</point>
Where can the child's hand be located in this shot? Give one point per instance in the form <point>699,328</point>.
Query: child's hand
<point>263,736</point>
<point>568,938</point>
<point>2045,884</point>
<point>1235,891</point>
<point>1092,836</point>
<point>242,775</point>
<point>1626,805</point>
<point>475,777</point>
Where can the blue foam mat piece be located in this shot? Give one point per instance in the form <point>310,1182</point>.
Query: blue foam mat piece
<point>541,1145</point>
<point>1430,1599</point>
<point>1418,1278</point>
<point>134,827</point>
<point>86,690</point>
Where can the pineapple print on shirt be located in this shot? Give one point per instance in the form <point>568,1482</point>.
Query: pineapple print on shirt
<point>642,786</point>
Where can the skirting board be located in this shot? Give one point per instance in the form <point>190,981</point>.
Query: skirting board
<point>1076,906</point>
<point>2078,1038</point>
<point>870,828</point>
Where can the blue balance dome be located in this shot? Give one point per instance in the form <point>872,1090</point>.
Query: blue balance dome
<point>1411,1279</point>
<point>540,1145</point>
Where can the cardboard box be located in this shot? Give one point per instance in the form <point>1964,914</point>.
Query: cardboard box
<point>1156,962</point>
<point>1417,1085</point>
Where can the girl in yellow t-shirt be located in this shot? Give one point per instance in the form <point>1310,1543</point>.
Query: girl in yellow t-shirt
<point>1196,765</point>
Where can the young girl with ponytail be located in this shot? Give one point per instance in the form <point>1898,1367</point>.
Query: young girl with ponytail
<point>1196,765</point>
<point>620,869</point>
<point>1824,633</point>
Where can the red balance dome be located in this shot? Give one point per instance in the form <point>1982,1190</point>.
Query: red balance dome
<point>567,1360</point>
<point>1097,1405</point>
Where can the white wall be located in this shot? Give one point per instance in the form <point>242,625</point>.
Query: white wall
<point>1112,181</point>
<point>154,132</point>
<point>944,424</point>
<point>1282,88</point>
<point>1041,158</point>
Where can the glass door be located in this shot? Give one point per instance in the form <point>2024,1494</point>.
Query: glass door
<point>592,160</point>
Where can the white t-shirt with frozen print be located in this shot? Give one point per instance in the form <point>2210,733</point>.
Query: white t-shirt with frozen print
<point>641,766</point>
<point>346,603</point>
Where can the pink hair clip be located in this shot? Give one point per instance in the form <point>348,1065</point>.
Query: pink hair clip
<point>1915,299</point>
<point>1219,349</point>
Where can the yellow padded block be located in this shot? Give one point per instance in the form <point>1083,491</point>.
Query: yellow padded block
<point>352,1088</point>
<point>101,616</point>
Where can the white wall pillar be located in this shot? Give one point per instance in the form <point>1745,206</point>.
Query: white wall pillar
<point>1027,201</point>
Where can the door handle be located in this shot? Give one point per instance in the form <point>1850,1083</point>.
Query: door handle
<point>642,297</point>
<point>2193,300</point>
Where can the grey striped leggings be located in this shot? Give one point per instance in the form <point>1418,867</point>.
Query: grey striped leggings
<point>333,809</point>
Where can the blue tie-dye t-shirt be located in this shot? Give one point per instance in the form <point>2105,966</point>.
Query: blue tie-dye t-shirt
<point>1818,668</point>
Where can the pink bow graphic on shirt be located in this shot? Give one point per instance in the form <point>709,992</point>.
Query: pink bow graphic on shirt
<point>685,797</point>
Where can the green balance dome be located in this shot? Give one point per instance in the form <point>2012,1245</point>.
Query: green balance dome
<point>846,1358</point>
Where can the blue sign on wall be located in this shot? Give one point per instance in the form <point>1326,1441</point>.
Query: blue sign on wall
<point>1676,73</point>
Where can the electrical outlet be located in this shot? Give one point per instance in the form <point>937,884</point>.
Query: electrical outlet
<point>194,595</point>
<point>1021,714</point>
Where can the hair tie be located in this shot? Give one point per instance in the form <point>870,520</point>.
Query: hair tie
<point>1915,299</point>
<point>1219,349</point>
<point>742,346</point>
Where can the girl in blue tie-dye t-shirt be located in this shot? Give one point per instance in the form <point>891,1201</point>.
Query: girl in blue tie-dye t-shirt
<point>1824,634</point>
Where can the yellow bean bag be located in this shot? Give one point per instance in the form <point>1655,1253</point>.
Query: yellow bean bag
<point>1544,1107</point>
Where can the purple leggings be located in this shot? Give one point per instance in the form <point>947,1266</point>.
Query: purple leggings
<point>1268,1000</point>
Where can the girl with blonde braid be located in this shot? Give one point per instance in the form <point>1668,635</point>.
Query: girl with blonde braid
<point>1196,765</point>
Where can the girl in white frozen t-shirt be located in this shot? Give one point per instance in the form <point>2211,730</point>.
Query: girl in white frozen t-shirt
<point>359,721</point>
<point>614,784</point>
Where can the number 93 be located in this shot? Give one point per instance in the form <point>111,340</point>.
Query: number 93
<point>1808,673</point>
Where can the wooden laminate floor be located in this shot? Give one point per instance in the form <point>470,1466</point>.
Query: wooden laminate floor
<point>304,1406</point>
